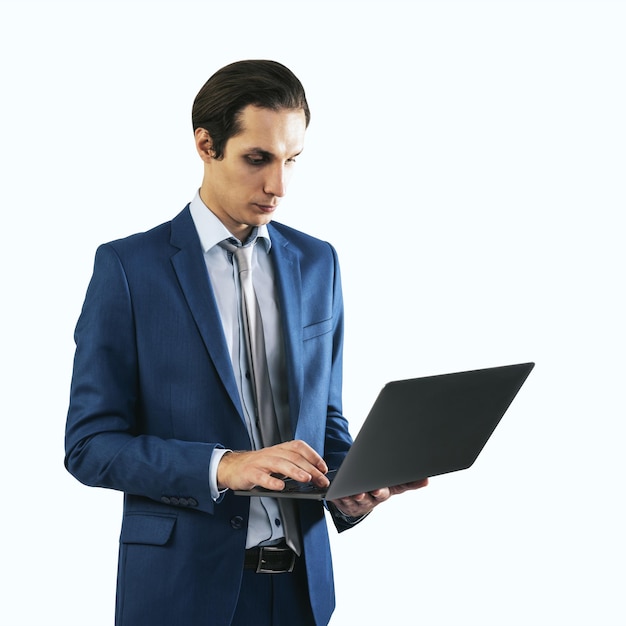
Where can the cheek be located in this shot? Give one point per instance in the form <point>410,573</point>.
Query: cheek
<point>235,187</point>
<point>243,178</point>
<point>250,185</point>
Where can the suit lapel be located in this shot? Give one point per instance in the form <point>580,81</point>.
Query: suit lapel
<point>288,279</point>
<point>194,281</point>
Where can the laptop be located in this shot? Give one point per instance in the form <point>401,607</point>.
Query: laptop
<point>418,428</point>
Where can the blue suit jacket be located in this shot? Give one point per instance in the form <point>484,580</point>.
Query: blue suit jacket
<point>153,393</point>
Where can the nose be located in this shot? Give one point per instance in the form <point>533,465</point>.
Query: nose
<point>276,181</point>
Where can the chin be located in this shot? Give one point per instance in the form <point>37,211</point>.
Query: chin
<point>260,220</point>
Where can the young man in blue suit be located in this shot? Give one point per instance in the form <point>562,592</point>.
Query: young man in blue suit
<point>162,404</point>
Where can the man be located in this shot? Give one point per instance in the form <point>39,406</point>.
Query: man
<point>166,401</point>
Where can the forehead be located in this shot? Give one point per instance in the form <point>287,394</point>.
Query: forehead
<point>278,132</point>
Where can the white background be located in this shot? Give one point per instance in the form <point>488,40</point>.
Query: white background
<point>476,148</point>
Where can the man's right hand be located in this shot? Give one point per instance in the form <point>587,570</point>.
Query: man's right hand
<point>292,459</point>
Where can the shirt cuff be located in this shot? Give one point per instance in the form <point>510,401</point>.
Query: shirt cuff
<point>216,457</point>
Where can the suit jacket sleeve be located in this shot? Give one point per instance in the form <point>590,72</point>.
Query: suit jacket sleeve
<point>111,441</point>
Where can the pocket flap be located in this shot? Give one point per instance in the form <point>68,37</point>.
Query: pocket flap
<point>317,329</point>
<point>149,529</point>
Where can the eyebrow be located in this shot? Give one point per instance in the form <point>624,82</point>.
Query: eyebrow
<point>267,153</point>
<point>260,151</point>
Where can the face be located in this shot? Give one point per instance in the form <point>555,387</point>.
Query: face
<point>245,187</point>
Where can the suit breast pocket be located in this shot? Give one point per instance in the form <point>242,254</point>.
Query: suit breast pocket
<point>319,328</point>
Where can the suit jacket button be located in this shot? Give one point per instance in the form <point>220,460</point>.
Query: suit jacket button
<point>165,500</point>
<point>237,522</point>
<point>183,501</point>
<point>192,502</point>
<point>174,500</point>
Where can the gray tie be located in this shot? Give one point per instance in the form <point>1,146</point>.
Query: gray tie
<point>257,361</point>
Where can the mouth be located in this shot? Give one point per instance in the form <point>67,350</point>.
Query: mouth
<point>266,208</point>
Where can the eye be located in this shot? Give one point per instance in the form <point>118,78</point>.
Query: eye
<point>255,159</point>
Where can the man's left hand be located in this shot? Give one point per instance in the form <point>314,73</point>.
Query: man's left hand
<point>362,503</point>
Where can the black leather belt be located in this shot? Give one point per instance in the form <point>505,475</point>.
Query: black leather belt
<point>270,559</point>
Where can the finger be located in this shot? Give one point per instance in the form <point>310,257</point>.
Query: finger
<point>304,449</point>
<point>269,481</point>
<point>282,461</point>
<point>418,484</point>
<point>302,456</point>
<point>380,495</point>
<point>357,499</point>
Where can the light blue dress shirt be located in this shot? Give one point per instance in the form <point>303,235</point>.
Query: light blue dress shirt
<point>265,525</point>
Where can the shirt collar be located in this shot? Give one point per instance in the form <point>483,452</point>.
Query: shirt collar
<point>211,230</point>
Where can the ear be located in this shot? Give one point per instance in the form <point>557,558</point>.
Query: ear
<point>204,144</point>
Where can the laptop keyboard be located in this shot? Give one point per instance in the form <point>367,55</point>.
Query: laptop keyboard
<point>293,486</point>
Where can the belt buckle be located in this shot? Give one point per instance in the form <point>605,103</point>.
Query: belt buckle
<point>261,569</point>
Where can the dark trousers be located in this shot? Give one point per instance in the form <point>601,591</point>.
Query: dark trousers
<point>274,599</point>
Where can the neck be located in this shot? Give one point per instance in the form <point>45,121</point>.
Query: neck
<point>240,231</point>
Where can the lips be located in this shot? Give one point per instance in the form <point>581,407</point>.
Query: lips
<point>267,208</point>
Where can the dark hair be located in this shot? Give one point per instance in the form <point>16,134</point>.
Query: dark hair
<point>267,84</point>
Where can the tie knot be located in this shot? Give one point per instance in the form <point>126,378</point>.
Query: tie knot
<point>243,254</point>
